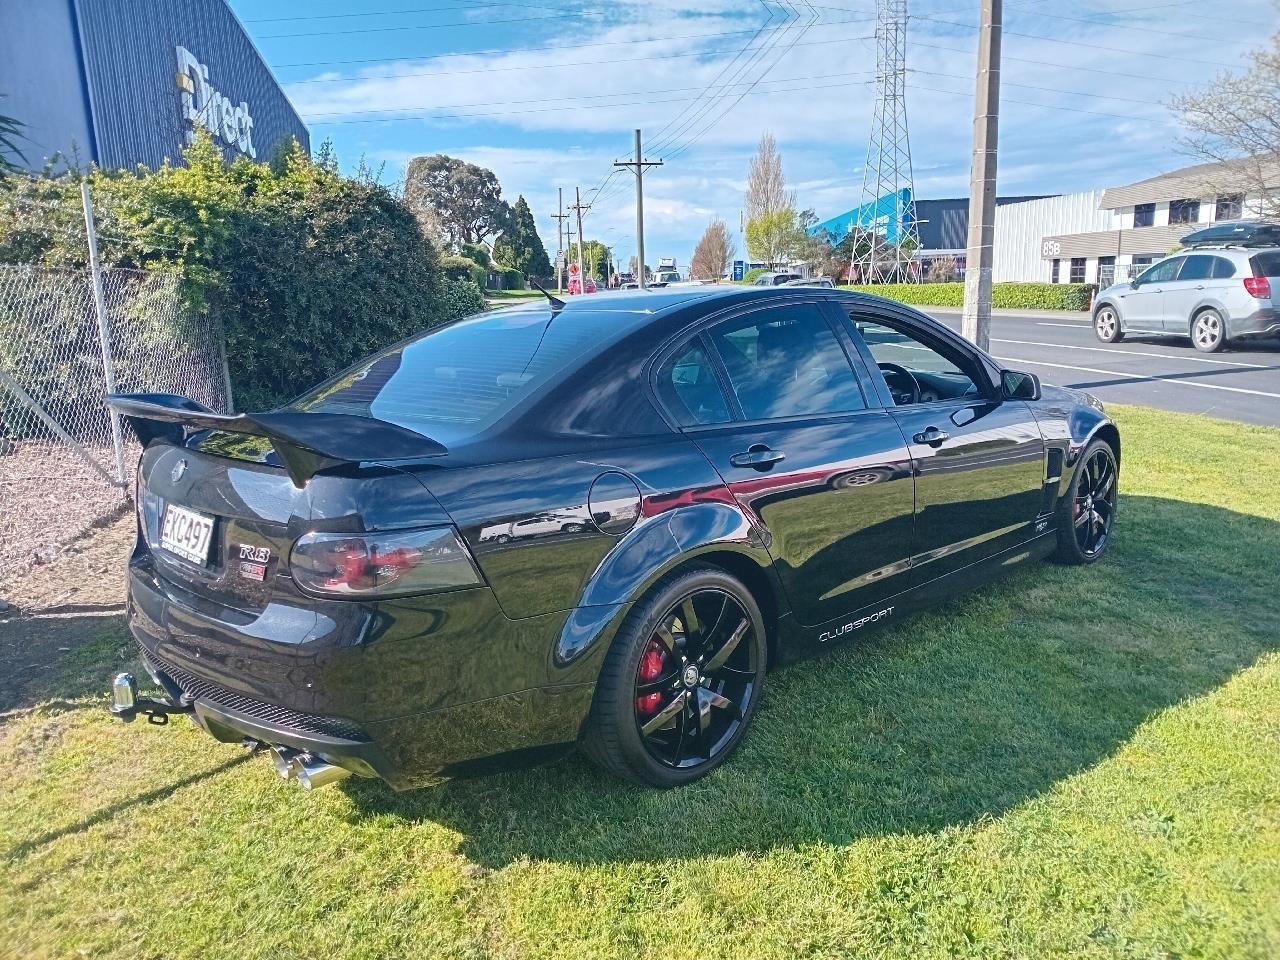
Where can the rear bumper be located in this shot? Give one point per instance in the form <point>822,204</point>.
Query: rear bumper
<point>1263,322</point>
<point>407,691</point>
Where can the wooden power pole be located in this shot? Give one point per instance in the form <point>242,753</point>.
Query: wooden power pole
<point>562,249</point>
<point>638,165</point>
<point>975,322</point>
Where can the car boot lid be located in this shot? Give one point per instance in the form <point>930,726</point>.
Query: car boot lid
<point>305,442</point>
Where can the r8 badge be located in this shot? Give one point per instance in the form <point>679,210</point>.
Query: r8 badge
<point>253,562</point>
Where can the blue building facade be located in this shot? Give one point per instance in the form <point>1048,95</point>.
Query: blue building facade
<point>123,82</point>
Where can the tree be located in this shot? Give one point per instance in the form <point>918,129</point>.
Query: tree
<point>1232,121</point>
<point>815,249</point>
<point>766,187</point>
<point>466,199</point>
<point>774,237</point>
<point>713,254</point>
<point>596,258</point>
<point>519,246</point>
<point>10,133</point>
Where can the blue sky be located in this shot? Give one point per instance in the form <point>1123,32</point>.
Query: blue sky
<point>547,95</point>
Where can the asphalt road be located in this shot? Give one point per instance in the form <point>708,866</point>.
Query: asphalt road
<point>1241,382</point>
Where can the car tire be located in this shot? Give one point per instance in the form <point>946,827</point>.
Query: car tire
<point>504,538</point>
<point>1090,500</point>
<point>1208,331</point>
<point>1106,324</point>
<point>627,734</point>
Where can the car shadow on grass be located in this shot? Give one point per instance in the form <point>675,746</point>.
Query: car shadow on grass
<point>946,718</point>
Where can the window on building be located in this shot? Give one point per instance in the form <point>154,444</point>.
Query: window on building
<point>1138,264</point>
<point>1106,271</point>
<point>1144,214</point>
<point>1077,269</point>
<point>1229,207</point>
<point>1184,211</point>
<point>1053,274</point>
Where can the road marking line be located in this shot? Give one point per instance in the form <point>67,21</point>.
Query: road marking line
<point>1073,326</point>
<point>1133,376</point>
<point>1138,353</point>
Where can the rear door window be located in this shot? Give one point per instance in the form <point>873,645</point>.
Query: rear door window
<point>1198,267</point>
<point>688,386</point>
<point>1223,268</point>
<point>785,361</point>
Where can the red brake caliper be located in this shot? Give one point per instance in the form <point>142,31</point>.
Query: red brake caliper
<point>650,670</point>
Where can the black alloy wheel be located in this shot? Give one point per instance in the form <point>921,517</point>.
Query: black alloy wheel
<point>1089,511</point>
<point>681,682</point>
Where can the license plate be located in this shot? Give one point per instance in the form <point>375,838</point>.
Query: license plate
<point>186,534</point>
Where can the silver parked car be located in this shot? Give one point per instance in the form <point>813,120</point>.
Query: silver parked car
<point>1212,295</point>
<point>825,282</point>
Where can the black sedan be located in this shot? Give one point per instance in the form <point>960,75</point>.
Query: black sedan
<point>598,522</point>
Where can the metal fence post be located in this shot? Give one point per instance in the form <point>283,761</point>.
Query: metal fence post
<point>104,336</point>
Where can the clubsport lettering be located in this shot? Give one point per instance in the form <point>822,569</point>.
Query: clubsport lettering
<point>852,625</point>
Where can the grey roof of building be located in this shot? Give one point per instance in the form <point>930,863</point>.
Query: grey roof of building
<point>1200,180</point>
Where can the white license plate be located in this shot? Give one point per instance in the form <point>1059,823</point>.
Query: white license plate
<point>187,534</point>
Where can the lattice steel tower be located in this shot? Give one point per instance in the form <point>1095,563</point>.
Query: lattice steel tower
<point>885,234</point>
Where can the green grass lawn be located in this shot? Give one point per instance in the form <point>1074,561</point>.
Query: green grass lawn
<point>499,298</point>
<point>1073,763</point>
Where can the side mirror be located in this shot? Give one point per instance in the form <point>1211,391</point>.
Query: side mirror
<point>1015,385</point>
<point>1134,284</point>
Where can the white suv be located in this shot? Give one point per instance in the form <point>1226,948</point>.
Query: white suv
<point>1212,295</point>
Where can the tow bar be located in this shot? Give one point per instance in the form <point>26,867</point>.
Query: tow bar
<point>126,704</point>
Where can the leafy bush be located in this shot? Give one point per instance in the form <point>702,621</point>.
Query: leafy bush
<point>464,268</point>
<point>512,279</point>
<point>308,271</point>
<point>476,252</point>
<point>1013,296</point>
<point>751,275</point>
<point>460,298</point>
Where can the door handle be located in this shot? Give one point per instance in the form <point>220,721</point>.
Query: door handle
<point>1200,286</point>
<point>932,436</point>
<point>757,456</point>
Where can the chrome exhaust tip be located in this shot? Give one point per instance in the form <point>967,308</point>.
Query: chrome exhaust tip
<point>282,758</point>
<point>312,773</point>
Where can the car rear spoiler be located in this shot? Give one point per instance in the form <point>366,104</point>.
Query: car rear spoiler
<point>305,442</point>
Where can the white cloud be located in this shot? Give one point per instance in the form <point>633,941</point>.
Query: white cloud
<point>1077,115</point>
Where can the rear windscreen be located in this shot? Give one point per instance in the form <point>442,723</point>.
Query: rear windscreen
<point>455,381</point>
<point>1266,264</point>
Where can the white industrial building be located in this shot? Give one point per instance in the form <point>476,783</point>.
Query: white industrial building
<point>1103,235</point>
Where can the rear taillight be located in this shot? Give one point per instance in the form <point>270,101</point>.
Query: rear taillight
<point>382,564</point>
<point>1259,287</point>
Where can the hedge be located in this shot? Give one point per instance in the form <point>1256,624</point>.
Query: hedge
<point>306,270</point>
<point>751,275</point>
<point>1016,296</point>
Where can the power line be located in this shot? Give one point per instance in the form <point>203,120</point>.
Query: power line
<point>543,49</point>
<point>1162,55</point>
<point>1028,86</point>
<point>571,106</point>
<point>424,26</point>
<point>711,125</point>
<point>767,25</point>
<point>464,8</point>
<point>1063,66</point>
<point>586,96</point>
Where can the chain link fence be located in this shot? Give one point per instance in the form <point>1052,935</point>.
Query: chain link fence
<point>66,462</point>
